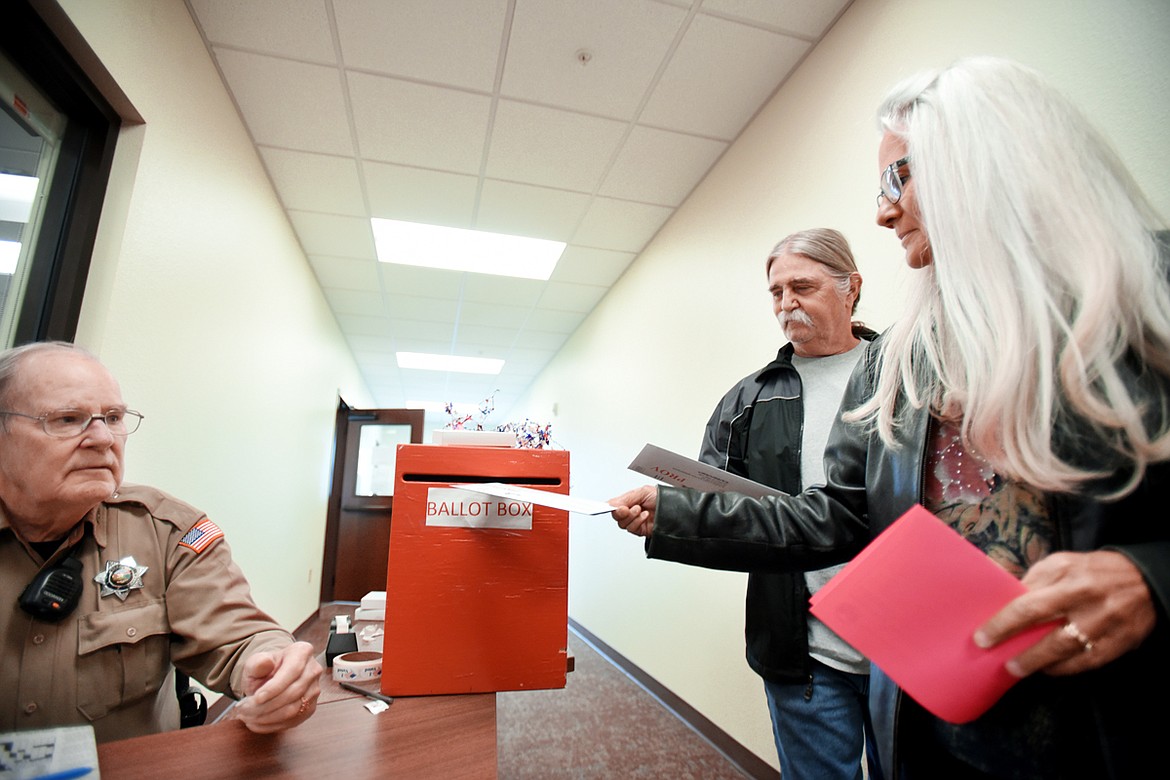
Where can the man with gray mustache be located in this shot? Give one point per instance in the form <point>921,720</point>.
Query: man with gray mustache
<point>772,427</point>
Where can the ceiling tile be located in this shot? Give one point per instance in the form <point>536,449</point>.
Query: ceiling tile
<point>529,361</point>
<point>804,17</point>
<point>581,298</point>
<point>288,104</point>
<point>453,42</point>
<point>586,265</point>
<point>428,127</point>
<point>720,75</point>
<point>547,146</point>
<point>427,282</point>
<point>539,339</point>
<point>425,345</point>
<point>363,302</point>
<point>359,324</point>
<point>552,321</point>
<point>620,224</point>
<point>626,41</point>
<point>488,335</point>
<point>416,307</point>
<point>658,166</point>
<point>315,182</point>
<point>345,273</point>
<point>383,369</point>
<point>289,28</point>
<point>420,195</point>
<point>420,330</point>
<point>336,236</point>
<point>367,347</point>
<point>527,210</point>
<point>500,314</point>
<point>467,389</point>
<point>508,290</point>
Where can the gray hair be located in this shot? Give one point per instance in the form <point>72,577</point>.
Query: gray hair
<point>11,359</point>
<point>826,246</point>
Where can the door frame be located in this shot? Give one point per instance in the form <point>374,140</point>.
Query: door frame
<point>345,464</point>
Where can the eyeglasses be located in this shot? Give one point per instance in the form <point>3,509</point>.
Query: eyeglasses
<point>892,181</point>
<point>68,423</point>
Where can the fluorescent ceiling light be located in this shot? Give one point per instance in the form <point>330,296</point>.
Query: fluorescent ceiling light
<point>467,365</point>
<point>16,197</point>
<point>9,252</point>
<point>456,249</point>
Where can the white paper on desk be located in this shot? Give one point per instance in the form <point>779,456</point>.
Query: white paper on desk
<point>39,752</point>
<point>679,471</point>
<point>582,506</point>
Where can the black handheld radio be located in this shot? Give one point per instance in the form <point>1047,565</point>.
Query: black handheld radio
<point>54,592</point>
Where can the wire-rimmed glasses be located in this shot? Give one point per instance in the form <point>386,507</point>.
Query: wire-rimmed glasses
<point>69,423</point>
<point>892,181</point>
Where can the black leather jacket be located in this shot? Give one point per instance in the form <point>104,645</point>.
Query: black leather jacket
<point>755,432</point>
<point>1116,725</point>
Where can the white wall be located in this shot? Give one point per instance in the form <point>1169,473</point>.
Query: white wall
<point>692,314</point>
<point>203,305</point>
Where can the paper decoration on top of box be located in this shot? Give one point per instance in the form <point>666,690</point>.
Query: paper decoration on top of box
<point>529,434</point>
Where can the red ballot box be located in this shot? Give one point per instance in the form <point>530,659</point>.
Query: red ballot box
<point>476,585</point>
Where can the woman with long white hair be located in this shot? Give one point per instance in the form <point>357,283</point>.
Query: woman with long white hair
<point>1024,398</point>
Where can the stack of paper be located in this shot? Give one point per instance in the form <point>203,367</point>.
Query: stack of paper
<point>373,607</point>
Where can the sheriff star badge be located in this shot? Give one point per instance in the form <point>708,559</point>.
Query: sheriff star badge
<point>121,577</point>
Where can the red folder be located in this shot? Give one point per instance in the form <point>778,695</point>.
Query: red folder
<point>911,602</point>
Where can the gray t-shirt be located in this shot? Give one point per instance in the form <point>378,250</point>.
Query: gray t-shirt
<point>823,380</point>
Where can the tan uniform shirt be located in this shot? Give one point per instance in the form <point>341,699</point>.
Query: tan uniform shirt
<point>109,663</point>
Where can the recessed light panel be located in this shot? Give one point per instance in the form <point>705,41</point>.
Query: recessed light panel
<point>457,249</point>
<point>467,365</point>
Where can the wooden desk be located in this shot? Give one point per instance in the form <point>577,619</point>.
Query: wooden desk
<point>419,736</point>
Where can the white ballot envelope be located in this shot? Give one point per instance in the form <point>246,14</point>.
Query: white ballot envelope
<point>679,471</point>
<point>582,506</point>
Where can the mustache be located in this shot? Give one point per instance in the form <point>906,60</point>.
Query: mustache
<point>796,316</point>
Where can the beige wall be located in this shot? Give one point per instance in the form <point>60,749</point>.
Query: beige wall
<point>202,303</point>
<point>692,314</point>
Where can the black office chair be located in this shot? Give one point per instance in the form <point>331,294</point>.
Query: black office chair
<point>192,702</point>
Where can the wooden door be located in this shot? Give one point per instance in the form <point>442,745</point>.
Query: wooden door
<point>357,531</point>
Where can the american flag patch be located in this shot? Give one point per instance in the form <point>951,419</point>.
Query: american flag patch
<point>200,537</point>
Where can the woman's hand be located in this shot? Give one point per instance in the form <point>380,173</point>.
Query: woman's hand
<point>1100,597</point>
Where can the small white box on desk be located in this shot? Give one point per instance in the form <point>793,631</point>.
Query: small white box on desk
<point>365,615</point>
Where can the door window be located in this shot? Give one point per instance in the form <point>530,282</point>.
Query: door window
<point>30,136</point>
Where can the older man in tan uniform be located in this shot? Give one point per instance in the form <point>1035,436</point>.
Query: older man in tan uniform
<point>158,586</point>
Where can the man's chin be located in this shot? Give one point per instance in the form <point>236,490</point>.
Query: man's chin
<point>93,484</point>
<point>798,334</point>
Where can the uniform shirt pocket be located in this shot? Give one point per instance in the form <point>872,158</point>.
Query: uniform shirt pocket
<point>122,656</point>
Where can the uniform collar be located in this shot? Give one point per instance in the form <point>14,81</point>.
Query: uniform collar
<point>95,517</point>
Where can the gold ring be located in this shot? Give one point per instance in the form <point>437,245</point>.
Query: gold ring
<point>1071,630</point>
<point>304,703</point>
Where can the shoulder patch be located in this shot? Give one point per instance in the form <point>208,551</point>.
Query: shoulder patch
<point>201,535</point>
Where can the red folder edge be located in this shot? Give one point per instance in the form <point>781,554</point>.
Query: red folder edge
<point>911,601</point>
